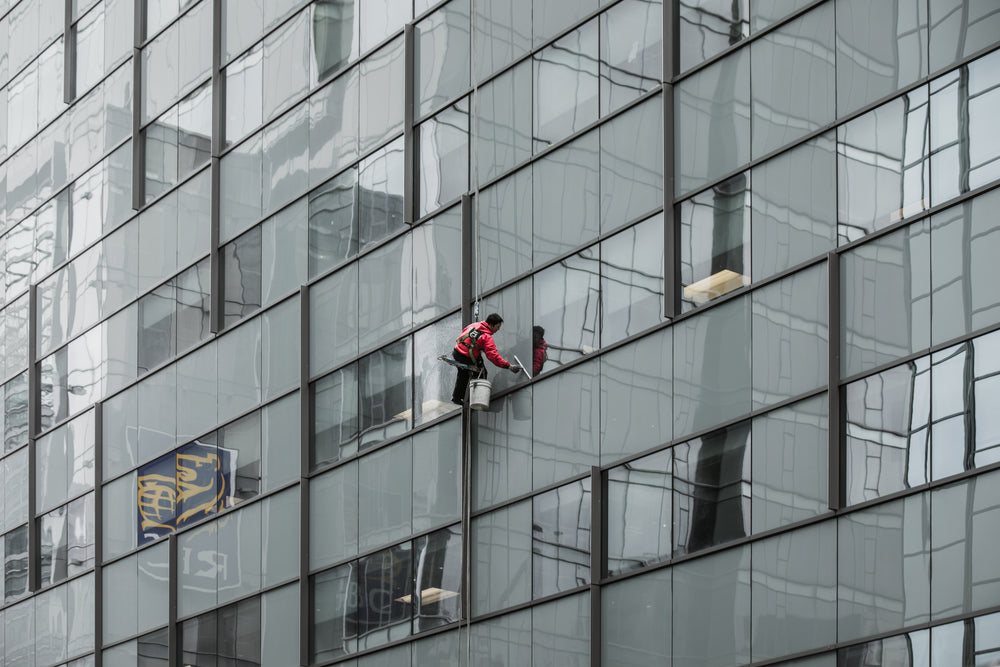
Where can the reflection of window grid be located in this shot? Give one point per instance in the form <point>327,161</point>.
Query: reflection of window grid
<point>644,483</point>
<point>561,551</point>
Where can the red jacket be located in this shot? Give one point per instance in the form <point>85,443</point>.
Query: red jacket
<point>483,342</point>
<point>540,355</point>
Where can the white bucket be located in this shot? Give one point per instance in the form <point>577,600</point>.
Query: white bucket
<point>479,394</point>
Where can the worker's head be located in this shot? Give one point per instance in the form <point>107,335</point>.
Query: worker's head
<point>494,320</point>
<point>537,333</point>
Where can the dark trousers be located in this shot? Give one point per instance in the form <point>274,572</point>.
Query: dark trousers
<point>462,379</point>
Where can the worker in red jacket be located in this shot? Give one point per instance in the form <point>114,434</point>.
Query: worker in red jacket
<point>474,341</point>
<point>540,349</point>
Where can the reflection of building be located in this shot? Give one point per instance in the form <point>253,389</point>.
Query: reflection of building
<point>760,237</point>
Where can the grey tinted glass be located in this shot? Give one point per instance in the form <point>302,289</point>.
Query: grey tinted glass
<point>794,206</point>
<point>560,539</point>
<point>335,35</point>
<point>711,609</point>
<point>158,413</point>
<point>883,569</point>
<point>789,331</point>
<point>196,579</point>
<point>279,624</point>
<point>882,170</point>
<point>333,536</point>
<point>381,18</point>
<point>503,32</point>
<point>384,495</point>
<point>120,515</point>
<point>985,388</point>
<point>242,275</point>
<point>959,29</point>
<point>444,157</point>
<point>711,500</point>
<point>380,194</point>
<point>560,632</point>
<point>438,575</point>
<point>794,586</point>
<point>333,126</point>
<point>715,242</point>
<point>435,380</point>
<point>383,618</point>
<point>442,46</point>
<point>335,610</point>
<point>337,420</point>
<point>197,392</point>
<point>120,429</point>
<point>640,512</point>
<point>566,198</point>
<point>504,122</point>
<point>279,438</point>
<point>279,534</point>
<point>566,307</point>
<point>885,299</point>
<point>280,353</point>
<point>952,409</point>
<point>333,222</point>
<point>505,229</point>
<point>549,18</point>
<point>887,431</point>
<point>566,90</point>
<point>436,475</point>
<point>565,424</point>
<point>437,253</point>
<point>240,188</point>
<point>503,450</point>
<point>381,94</point>
<point>631,51</point>
<point>636,396</point>
<point>880,49</point>
<point>244,94</point>
<point>709,28</point>
<point>501,549</point>
<point>385,382</point>
<point>961,582</point>
<point>712,122</point>
<point>964,151</point>
<point>632,281</point>
<point>15,570</point>
<point>630,634</point>
<point>632,164</point>
<point>286,64</point>
<point>798,56</point>
<point>286,158</point>
<point>789,462</point>
<point>283,255</point>
<point>712,367</point>
<point>333,320</point>
<point>242,438</point>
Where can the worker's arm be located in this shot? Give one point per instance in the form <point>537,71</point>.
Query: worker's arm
<point>490,349</point>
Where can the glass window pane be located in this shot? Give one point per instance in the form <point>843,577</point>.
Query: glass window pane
<point>280,426</point>
<point>794,207</point>
<point>550,18</point>
<point>438,575</point>
<point>152,588</point>
<point>884,568</point>
<point>632,281</point>
<point>632,164</point>
<point>506,639</point>
<point>80,619</point>
<point>52,538</point>
<point>885,299</point>
<point>712,367</point>
<point>712,122</point>
<point>333,222</point>
<point>715,242</point>
<point>635,624</point>
<point>193,305</point>
<point>640,514</point>
<point>566,307</point>
<point>711,609</point>
<point>333,536</point>
<point>502,450</point>
<point>381,18</point>
<point>631,51</point>
<point>437,260</point>
<point>120,596</point>
<point>437,475</point>
<point>883,176</point>
<point>434,379</point>
<point>241,186</point>
<point>789,465</point>
<point>337,420</point>
<point>799,56</point>
<point>280,537</point>
<point>504,121</point>
<point>15,571</point>
<point>789,331</point>
<point>385,500</point>
<point>333,126</point>
<point>244,93</point>
<point>286,64</point>
<point>503,33</point>
<point>196,577</point>
<point>120,516</point>
<point>158,413</point>
<point>333,320</point>
<point>442,49</point>
<point>560,539</point>
<point>385,296</point>
<point>709,27</point>
<point>336,617</point>
<point>793,591</point>
<point>959,29</point>
<point>240,548</point>
<point>279,626</point>
<point>505,229</point>
<point>501,552</point>
<point>335,35</point>
<point>199,639</point>
<point>239,370</point>
<point>380,197</point>
<point>514,304</point>
<point>566,409</point>
<point>381,91</point>
<point>565,79</point>
<point>385,588</point>
<point>712,489</point>
<point>197,392</point>
<point>985,385</point>
<point>280,353</point>
<point>444,157</point>
<point>160,63</point>
<point>560,632</point>
<point>438,650</point>
<point>385,388</point>
<point>241,440</point>
<point>286,158</point>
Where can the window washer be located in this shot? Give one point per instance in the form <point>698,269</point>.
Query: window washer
<point>476,339</point>
<point>540,349</point>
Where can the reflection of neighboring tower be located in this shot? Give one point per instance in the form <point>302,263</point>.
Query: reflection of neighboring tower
<point>717,511</point>
<point>333,34</point>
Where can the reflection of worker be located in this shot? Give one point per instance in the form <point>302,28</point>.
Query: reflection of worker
<point>475,340</point>
<point>539,348</point>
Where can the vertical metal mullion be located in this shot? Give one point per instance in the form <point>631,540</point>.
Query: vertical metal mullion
<point>69,54</point>
<point>174,649</point>
<point>410,148</point>
<point>98,531</point>
<point>671,222</point>
<point>217,300</point>
<point>138,144</point>
<point>598,549</point>
<point>468,267</point>
<point>34,423</point>
<point>836,448</point>
<point>305,450</point>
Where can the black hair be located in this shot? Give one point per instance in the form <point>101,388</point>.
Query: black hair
<point>493,319</point>
<point>537,333</point>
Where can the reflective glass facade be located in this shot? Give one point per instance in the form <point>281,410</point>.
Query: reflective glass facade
<point>758,240</point>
